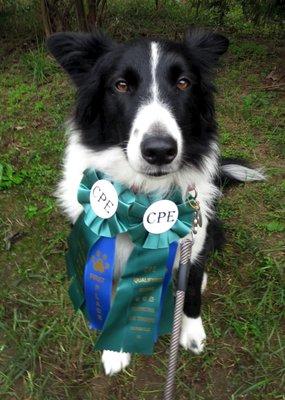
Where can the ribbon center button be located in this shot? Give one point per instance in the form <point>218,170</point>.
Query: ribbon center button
<point>103,199</point>
<point>160,216</point>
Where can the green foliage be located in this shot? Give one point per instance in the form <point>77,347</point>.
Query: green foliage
<point>38,64</point>
<point>249,50</point>
<point>275,226</point>
<point>31,211</point>
<point>255,101</point>
<point>9,177</point>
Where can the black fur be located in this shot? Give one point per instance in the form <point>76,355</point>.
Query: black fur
<point>214,241</point>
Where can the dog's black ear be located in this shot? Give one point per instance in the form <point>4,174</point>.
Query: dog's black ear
<point>77,53</point>
<point>205,47</point>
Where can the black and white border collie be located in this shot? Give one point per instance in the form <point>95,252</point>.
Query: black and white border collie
<point>145,115</point>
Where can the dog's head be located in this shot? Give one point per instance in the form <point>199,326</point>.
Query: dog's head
<point>150,99</point>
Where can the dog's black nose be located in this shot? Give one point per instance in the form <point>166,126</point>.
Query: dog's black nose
<point>159,150</point>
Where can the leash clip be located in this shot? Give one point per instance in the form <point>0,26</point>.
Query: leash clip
<point>194,203</point>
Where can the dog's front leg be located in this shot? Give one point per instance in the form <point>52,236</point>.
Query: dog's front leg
<point>192,333</point>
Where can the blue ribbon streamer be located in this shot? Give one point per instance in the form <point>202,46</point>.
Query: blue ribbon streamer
<point>98,279</point>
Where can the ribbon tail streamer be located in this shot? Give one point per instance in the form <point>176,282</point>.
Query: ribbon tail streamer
<point>131,325</point>
<point>90,266</point>
<point>98,279</point>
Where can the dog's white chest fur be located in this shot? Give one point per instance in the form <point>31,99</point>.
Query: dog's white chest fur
<point>112,161</point>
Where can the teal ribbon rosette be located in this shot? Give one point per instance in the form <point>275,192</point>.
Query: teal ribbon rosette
<point>141,237</point>
<point>143,304</point>
<point>108,227</point>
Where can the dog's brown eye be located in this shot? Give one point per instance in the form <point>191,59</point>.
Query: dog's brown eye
<point>122,86</point>
<point>183,84</point>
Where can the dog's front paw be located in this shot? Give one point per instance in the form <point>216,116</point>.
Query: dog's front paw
<point>115,361</point>
<point>192,334</point>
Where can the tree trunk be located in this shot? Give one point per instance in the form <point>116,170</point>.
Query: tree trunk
<point>80,13</point>
<point>92,13</point>
<point>46,18</point>
<point>100,15</point>
<point>198,4</point>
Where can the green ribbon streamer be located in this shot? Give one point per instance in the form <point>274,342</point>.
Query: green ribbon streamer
<point>132,321</point>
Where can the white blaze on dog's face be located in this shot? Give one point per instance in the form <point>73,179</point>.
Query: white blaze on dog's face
<point>155,143</point>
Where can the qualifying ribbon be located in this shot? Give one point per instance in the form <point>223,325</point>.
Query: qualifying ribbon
<point>143,304</point>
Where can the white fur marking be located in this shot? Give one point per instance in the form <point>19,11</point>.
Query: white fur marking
<point>204,282</point>
<point>154,62</point>
<point>192,334</point>
<point>114,361</point>
<point>148,115</point>
<point>153,112</point>
<point>242,173</point>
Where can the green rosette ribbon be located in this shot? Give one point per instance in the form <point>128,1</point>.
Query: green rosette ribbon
<point>130,212</point>
<point>141,237</point>
<point>143,305</point>
<point>109,227</point>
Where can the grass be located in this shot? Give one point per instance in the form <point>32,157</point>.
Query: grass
<point>45,349</point>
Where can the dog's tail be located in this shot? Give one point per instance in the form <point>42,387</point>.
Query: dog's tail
<point>233,171</point>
